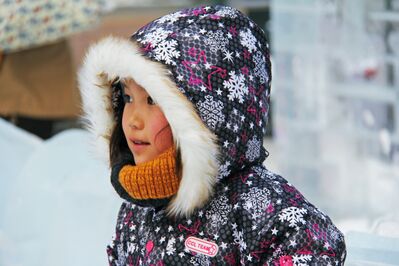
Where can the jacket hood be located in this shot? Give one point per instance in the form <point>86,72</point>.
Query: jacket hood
<point>209,70</point>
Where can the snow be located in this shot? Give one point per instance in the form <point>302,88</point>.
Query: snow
<point>57,207</point>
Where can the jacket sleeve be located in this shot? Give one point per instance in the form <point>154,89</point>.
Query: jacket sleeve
<point>295,236</point>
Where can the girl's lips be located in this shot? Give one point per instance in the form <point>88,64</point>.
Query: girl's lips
<point>138,146</point>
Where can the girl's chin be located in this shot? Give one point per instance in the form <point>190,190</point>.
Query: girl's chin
<point>140,159</point>
<point>147,156</point>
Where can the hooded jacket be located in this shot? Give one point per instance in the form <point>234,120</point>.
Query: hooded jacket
<point>208,68</point>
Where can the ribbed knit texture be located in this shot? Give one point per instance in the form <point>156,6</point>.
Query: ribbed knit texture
<point>155,179</point>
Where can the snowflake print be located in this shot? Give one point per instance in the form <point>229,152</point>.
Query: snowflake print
<point>200,260</point>
<point>224,170</point>
<point>122,256</point>
<point>301,260</point>
<point>236,86</point>
<point>227,12</point>
<point>216,41</point>
<point>334,234</point>
<point>219,211</point>
<point>144,235</point>
<point>131,247</point>
<point>155,37</point>
<point>171,18</point>
<point>260,67</point>
<point>253,150</point>
<point>256,201</point>
<point>228,56</point>
<point>211,111</point>
<point>293,215</point>
<point>170,247</point>
<point>239,239</point>
<point>166,50</point>
<point>248,40</point>
<point>277,187</point>
<point>264,173</point>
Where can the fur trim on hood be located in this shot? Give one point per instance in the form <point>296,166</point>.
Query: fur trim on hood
<point>112,58</point>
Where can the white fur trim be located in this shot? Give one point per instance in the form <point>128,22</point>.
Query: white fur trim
<point>114,57</point>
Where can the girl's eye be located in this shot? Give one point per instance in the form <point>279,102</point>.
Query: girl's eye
<point>127,98</point>
<point>150,101</point>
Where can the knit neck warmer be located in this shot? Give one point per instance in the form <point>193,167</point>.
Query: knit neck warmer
<point>153,180</point>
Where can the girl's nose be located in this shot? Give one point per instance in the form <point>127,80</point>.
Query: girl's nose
<point>136,120</point>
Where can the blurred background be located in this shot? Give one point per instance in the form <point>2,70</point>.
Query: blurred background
<point>333,131</point>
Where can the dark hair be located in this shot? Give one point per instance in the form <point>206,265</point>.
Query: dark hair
<point>118,148</point>
<point>119,151</point>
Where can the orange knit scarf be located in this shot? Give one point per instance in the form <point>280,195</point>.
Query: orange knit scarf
<point>155,179</point>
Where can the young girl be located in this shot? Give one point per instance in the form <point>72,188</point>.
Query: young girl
<point>181,109</point>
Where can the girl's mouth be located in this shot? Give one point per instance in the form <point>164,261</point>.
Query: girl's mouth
<point>139,142</point>
<point>139,146</point>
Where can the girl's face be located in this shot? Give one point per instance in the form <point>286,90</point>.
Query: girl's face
<point>146,129</point>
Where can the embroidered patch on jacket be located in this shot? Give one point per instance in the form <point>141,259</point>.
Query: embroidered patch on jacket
<point>201,246</point>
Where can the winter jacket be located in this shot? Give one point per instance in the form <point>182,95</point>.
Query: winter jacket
<point>209,70</point>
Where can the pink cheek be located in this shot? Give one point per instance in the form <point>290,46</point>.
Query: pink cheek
<point>162,134</point>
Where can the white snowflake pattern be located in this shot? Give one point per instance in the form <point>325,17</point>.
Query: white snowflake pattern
<point>333,233</point>
<point>256,201</point>
<point>171,18</point>
<point>166,51</point>
<point>219,211</point>
<point>224,170</point>
<point>121,255</point>
<point>131,247</point>
<point>277,187</point>
<point>211,111</point>
<point>248,40</point>
<point>228,56</point>
<point>253,150</point>
<point>227,12</point>
<point>200,260</point>
<point>216,41</point>
<point>144,236</point>
<point>277,251</point>
<point>239,239</point>
<point>264,173</point>
<point>170,247</point>
<point>155,37</point>
<point>293,215</point>
<point>260,67</point>
<point>301,260</point>
<point>236,86</point>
